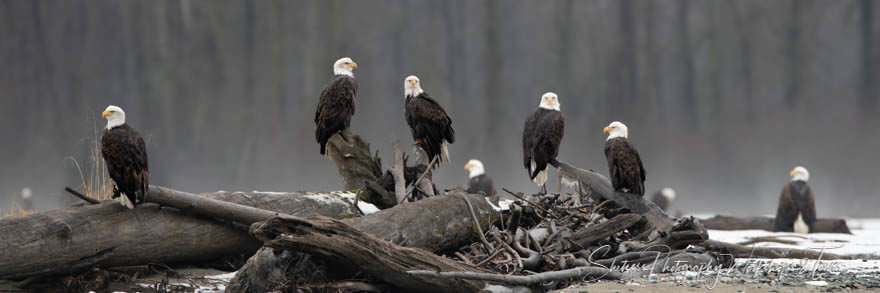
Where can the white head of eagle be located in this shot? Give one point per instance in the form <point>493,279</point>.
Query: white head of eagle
<point>475,167</point>
<point>412,87</point>
<point>114,115</point>
<point>344,66</point>
<point>800,173</point>
<point>615,130</point>
<point>549,101</point>
<point>668,193</point>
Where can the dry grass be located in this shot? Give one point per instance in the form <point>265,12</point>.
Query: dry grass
<point>14,210</point>
<point>96,183</point>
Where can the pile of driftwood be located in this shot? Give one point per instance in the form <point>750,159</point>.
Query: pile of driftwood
<point>282,241</point>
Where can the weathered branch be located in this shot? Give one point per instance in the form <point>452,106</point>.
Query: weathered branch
<point>774,252</point>
<point>353,160</point>
<point>601,187</point>
<point>569,274</point>
<point>586,237</point>
<point>438,224</point>
<point>399,165</point>
<point>332,239</point>
<point>82,196</point>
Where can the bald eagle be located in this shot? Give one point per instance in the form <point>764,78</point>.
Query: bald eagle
<point>336,105</point>
<point>542,135</point>
<point>662,198</point>
<point>479,181</point>
<point>797,206</point>
<point>431,127</point>
<point>624,163</point>
<point>125,154</point>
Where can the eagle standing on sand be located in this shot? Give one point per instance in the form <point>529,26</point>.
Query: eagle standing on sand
<point>431,127</point>
<point>542,135</point>
<point>125,154</point>
<point>479,181</point>
<point>624,164</point>
<point>797,205</point>
<point>336,105</point>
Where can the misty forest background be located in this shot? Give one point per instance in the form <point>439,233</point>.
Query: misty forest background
<point>722,98</point>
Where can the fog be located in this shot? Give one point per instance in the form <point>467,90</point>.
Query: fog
<point>722,98</point>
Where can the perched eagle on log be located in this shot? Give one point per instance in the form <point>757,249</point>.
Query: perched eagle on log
<point>336,105</point>
<point>431,127</point>
<point>542,135</point>
<point>624,163</point>
<point>479,181</point>
<point>797,206</point>
<point>125,154</point>
<point>663,197</point>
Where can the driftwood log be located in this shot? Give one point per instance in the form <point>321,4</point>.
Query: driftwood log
<point>741,251</point>
<point>599,186</point>
<point>437,224</point>
<point>353,160</point>
<point>72,239</point>
<point>334,240</point>
<point>720,222</point>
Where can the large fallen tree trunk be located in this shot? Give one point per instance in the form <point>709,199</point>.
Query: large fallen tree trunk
<point>436,224</point>
<point>72,239</point>
<point>720,222</point>
<point>334,240</point>
<point>600,187</point>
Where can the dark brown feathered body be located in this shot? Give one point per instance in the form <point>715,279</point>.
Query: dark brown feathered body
<point>796,197</point>
<point>625,166</point>
<point>125,154</point>
<point>429,124</point>
<point>335,108</point>
<point>481,183</point>
<point>661,201</point>
<point>542,135</point>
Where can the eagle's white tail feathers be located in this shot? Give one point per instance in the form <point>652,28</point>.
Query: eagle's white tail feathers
<point>445,152</point>
<point>541,179</point>
<point>125,202</point>
<point>800,226</point>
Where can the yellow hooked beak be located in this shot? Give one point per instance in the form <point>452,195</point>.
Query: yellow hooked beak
<point>354,65</point>
<point>413,82</point>
<point>791,173</point>
<point>105,114</point>
<point>467,166</point>
<point>606,129</point>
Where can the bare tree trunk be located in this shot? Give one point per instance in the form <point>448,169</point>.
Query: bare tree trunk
<point>353,160</point>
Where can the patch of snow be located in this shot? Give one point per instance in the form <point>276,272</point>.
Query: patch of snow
<point>367,208</point>
<point>335,197</point>
<point>268,192</point>
<point>862,241</point>
<point>816,283</point>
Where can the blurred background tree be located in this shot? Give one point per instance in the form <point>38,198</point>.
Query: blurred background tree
<point>722,98</point>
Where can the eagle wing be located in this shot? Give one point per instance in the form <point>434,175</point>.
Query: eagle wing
<point>786,212</point>
<point>429,123</point>
<point>125,154</point>
<point>625,166</point>
<point>335,108</point>
<point>541,138</point>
